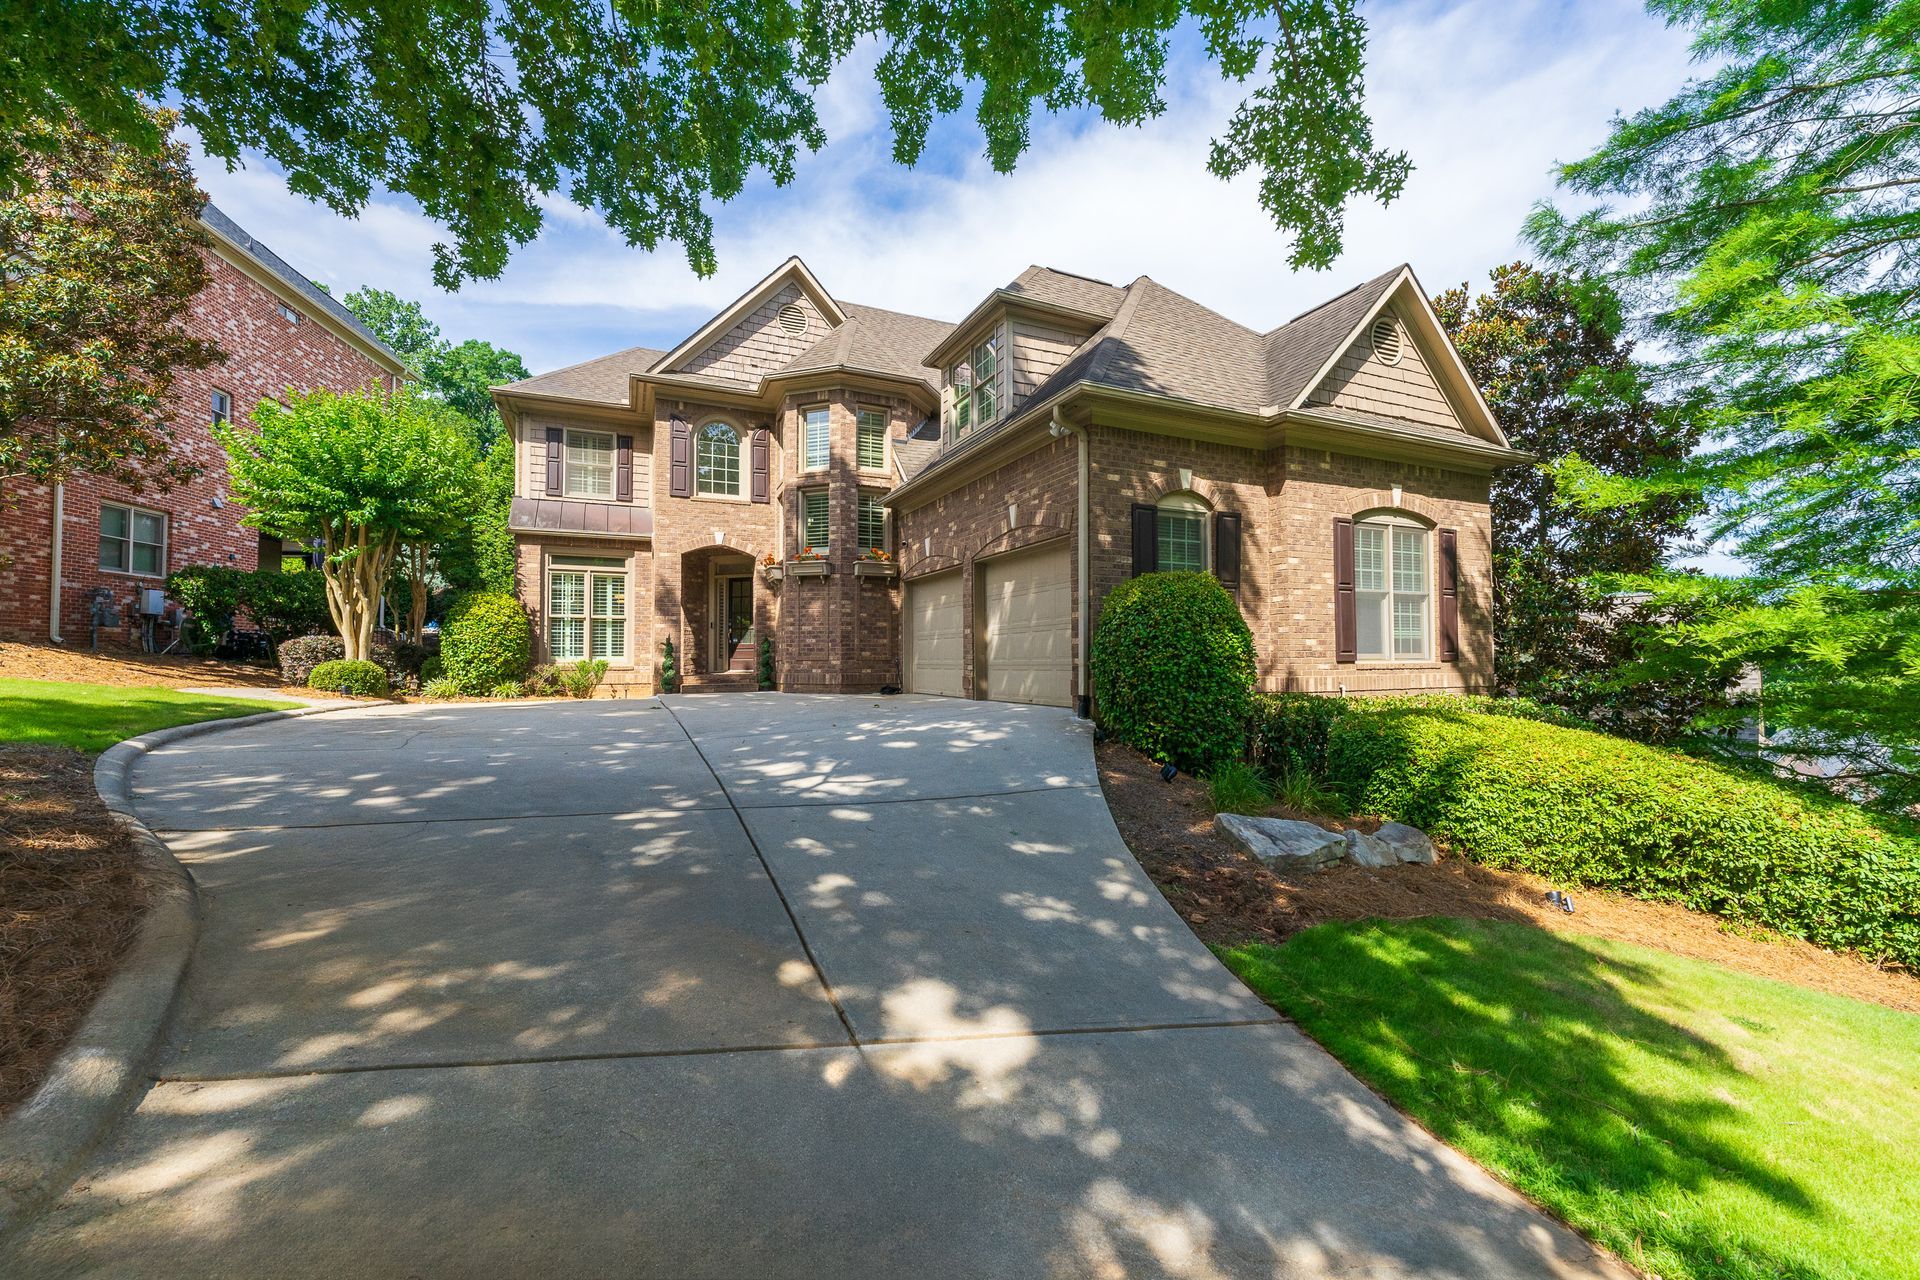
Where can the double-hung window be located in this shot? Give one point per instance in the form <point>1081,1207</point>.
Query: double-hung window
<point>1181,535</point>
<point>222,407</point>
<point>132,540</point>
<point>587,611</point>
<point>818,442</point>
<point>1392,578</point>
<point>813,520</point>
<point>871,448</point>
<point>986,375</point>
<point>873,522</point>
<point>717,461</point>
<point>589,464</point>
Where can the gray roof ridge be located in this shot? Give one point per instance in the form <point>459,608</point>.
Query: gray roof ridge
<point>581,364</point>
<point>220,221</point>
<point>1322,306</point>
<point>1115,329</point>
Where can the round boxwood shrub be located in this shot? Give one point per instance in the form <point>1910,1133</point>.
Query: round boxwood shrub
<point>367,679</point>
<point>1173,665</point>
<point>485,640</point>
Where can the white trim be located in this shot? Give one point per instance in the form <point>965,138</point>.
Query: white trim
<point>1388,521</point>
<point>742,462</point>
<point>165,544</point>
<point>566,464</point>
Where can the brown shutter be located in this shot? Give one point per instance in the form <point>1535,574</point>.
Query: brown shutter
<point>680,460</point>
<point>1146,539</point>
<point>623,469</point>
<point>556,446</point>
<point>762,451</point>
<point>1346,618</point>
<point>1226,550</point>
<point>1449,595</point>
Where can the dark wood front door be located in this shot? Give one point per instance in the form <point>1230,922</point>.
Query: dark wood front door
<point>739,620</point>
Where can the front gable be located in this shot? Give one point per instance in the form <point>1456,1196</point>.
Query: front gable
<point>763,330</point>
<point>1384,374</point>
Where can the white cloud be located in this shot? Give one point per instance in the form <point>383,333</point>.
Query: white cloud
<point>1486,96</point>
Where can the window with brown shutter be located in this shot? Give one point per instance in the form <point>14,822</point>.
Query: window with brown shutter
<point>623,469</point>
<point>556,458</point>
<point>680,459</point>
<point>1449,595</point>
<point>1146,539</point>
<point>1345,615</point>
<point>1226,550</point>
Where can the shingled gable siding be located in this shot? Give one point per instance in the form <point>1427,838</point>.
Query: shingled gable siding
<point>264,356</point>
<point>530,453</point>
<point>757,344</point>
<point>1360,383</point>
<point>1038,351</point>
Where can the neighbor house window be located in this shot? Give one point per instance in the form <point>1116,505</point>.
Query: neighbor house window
<point>986,370</point>
<point>1181,525</point>
<point>589,464</point>
<point>132,540</point>
<point>717,462</point>
<point>222,407</point>
<point>813,519</point>
<point>873,523</point>
<point>287,313</point>
<point>1392,588</point>
<point>587,612</point>
<point>818,446</point>
<point>872,446</point>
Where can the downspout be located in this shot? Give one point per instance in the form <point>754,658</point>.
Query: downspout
<point>53,577</point>
<point>1083,702</point>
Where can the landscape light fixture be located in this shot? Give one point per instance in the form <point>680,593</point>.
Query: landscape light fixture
<point>1167,772</point>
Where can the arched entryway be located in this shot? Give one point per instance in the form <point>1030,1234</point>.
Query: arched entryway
<point>719,600</point>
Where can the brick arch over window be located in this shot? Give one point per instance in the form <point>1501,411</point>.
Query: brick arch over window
<point>1409,504</point>
<point>926,566</point>
<point>1199,486</point>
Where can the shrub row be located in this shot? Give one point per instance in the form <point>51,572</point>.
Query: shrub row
<point>283,605</point>
<point>1584,808</point>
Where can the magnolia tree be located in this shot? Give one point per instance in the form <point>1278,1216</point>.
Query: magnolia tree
<point>365,476</point>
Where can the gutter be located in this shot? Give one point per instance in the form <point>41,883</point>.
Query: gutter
<point>1083,701</point>
<point>54,567</point>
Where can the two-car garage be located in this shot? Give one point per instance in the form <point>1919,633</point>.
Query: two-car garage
<point>1024,647</point>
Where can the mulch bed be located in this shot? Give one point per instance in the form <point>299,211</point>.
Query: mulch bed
<point>132,668</point>
<point>1228,897</point>
<point>72,891</point>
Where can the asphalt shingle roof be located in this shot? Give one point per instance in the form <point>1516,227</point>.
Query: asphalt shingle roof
<point>1064,289</point>
<point>219,222</point>
<point>603,379</point>
<point>877,339</point>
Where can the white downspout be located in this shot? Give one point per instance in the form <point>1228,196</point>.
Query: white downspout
<point>1061,427</point>
<point>53,584</point>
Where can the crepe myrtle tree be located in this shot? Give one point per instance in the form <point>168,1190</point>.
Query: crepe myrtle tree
<point>365,476</point>
<point>649,112</point>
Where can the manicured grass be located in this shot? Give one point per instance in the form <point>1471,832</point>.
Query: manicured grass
<point>92,717</point>
<point>1697,1121</point>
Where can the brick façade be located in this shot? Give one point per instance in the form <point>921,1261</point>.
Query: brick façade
<point>264,356</point>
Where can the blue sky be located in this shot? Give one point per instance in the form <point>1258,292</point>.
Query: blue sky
<point>1485,95</point>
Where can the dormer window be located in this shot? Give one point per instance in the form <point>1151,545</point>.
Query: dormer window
<point>976,386</point>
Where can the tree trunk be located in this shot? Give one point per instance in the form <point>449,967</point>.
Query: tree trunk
<point>356,567</point>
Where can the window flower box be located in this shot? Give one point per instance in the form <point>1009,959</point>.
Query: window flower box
<point>774,572</point>
<point>875,569</point>
<point>814,568</point>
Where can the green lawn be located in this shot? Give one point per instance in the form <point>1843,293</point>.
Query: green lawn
<point>93,717</point>
<point>1696,1121</point>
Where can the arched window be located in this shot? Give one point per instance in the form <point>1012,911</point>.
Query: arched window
<point>717,460</point>
<point>1181,524</point>
<point>1393,588</point>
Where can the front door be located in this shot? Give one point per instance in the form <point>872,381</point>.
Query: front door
<point>735,624</point>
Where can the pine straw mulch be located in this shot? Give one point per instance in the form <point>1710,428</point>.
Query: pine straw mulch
<point>78,664</point>
<point>1228,897</point>
<point>72,891</point>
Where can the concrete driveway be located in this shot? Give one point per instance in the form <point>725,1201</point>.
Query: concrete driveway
<point>727,986</point>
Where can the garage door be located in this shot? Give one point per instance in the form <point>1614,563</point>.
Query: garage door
<point>936,633</point>
<point>1029,613</point>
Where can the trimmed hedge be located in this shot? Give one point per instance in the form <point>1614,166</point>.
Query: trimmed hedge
<point>485,641</point>
<point>367,679</point>
<point>1585,808</point>
<point>1173,661</point>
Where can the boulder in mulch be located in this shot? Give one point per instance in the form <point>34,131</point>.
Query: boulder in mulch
<point>1282,843</point>
<point>1364,851</point>
<point>1408,844</point>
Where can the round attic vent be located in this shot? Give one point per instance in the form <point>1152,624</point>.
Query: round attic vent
<point>1386,341</point>
<point>793,319</point>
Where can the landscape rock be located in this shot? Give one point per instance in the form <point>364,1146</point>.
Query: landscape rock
<point>1283,843</point>
<point>1364,850</point>
<point>1409,844</point>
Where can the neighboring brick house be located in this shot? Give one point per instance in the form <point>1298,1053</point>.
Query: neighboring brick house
<point>277,331</point>
<point>1332,473</point>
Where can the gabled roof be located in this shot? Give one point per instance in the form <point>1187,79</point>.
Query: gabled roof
<point>231,232</point>
<point>792,271</point>
<point>1304,346</point>
<point>876,340</point>
<point>602,380</point>
<point>911,456</point>
<point>1050,286</point>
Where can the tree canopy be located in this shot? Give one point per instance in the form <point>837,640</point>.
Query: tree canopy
<point>456,373</point>
<point>103,260</point>
<point>650,113</point>
<point>1763,226</point>
<point>361,476</point>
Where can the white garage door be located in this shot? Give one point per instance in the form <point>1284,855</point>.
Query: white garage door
<point>1029,614</point>
<point>936,634</point>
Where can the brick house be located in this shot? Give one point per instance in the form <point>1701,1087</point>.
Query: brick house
<point>903,501</point>
<point>278,330</point>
